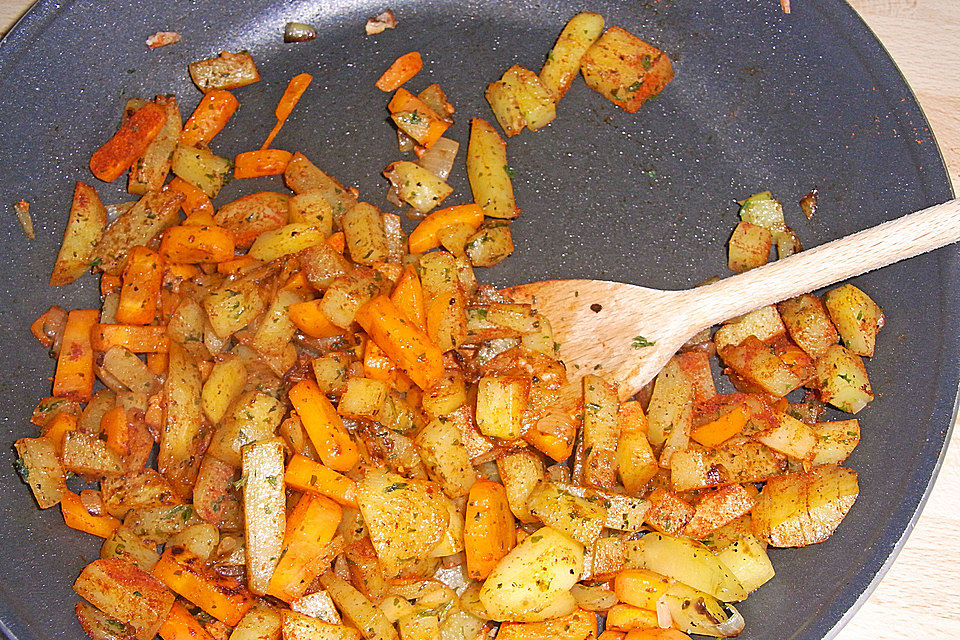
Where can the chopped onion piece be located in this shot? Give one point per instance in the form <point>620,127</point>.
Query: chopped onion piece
<point>439,158</point>
<point>23,215</point>
<point>298,32</point>
<point>595,598</point>
<point>382,22</point>
<point>92,502</point>
<point>664,619</point>
<point>162,39</point>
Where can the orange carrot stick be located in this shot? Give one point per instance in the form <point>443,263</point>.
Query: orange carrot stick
<point>236,265</point>
<point>488,532</point>
<point>223,597</point>
<point>135,338</point>
<point>194,199</point>
<point>58,428</point>
<point>723,428</point>
<point>309,318</point>
<point>579,625</point>
<point>157,363</point>
<point>115,426</point>
<point>142,279</point>
<point>338,241</point>
<point>74,377</point>
<point>291,96</point>
<point>324,426</point>
<point>110,283</point>
<point>76,516</point>
<point>310,527</point>
<point>199,219</point>
<point>303,474</point>
<point>262,162</point>
<point>190,244</point>
<point>180,625</point>
<point>298,283</point>
<point>129,142</point>
<point>408,346</point>
<point>377,365</point>
<point>408,296</point>
<point>416,118</point>
<point>426,235</point>
<point>209,118</point>
<point>402,69</point>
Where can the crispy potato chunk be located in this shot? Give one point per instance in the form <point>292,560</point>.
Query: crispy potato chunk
<point>624,69</point>
<point>226,71</point>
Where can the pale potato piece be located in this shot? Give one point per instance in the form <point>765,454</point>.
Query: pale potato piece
<point>520,472</point>
<point>503,102</point>
<point>600,432</point>
<point>543,567</point>
<point>199,539</point>
<point>749,247</point>
<point>488,171</point>
<point>136,490</point>
<point>731,463</point>
<point>490,245</point>
<point>625,69</point>
<point>312,207</point>
<point>347,294</point>
<point>283,241</point>
<point>501,401</point>
<point>843,379</point>
<point>202,168</point>
<point>259,623</point>
<point>791,438</point>
<point>857,317</point>
<point>668,408</point>
<point>85,226</point>
<point>303,176</point>
<point>365,234</point>
<point>577,517</point>
<point>804,508</point>
<point>226,71</point>
<point>446,457</point>
<point>764,323</point>
<point>747,559</point>
<point>276,329</point>
<point>406,518</point>
<point>40,467</point>
<point>363,398</point>
<point>755,362</point>
<point>138,225</point>
<point>87,454</point>
<point>254,416</point>
<point>222,386</point>
<point>233,306</point>
<point>297,626</point>
<point>249,216</point>
<point>183,432</point>
<point>264,510</point>
<point>150,171</point>
<point>416,186</point>
<point>563,61</point>
<point>836,440</point>
<point>535,101</point>
<point>357,609</point>
<point>806,320</point>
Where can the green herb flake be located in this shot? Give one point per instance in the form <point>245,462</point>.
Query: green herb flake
<point>640,342</point>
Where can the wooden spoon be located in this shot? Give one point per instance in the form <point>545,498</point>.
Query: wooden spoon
<point>631,332</point>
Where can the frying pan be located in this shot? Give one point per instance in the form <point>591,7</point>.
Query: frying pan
<point>761,100</point>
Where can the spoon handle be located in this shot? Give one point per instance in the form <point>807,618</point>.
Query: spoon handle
<point>866,250</point>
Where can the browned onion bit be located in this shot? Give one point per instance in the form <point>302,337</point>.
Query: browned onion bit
<point>298,32</point>
<point>808,203</point>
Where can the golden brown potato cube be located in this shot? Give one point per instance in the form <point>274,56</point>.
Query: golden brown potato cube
<point>100,626</point>
<point>259,623</point>
<point>754,361</point>
<point>636,463</point>
<point>202,169</point>
<point>126,545</point>
<point>836,440</point>
<point>137,225</point>
<point>226,71</point>
<point>696,367</point>
<point>600,432</point>
<point>264,515</point>
<point>843,379</point>
<point>318,605</point>
<point>490,245</point>
<point>732,463</point>
<point>87,454</point>
<point>717,508</point>
<point>255,416</point>
<point>362,398</point>
<point>85,226</point>
<point>501,401</point>
<point>445,397</point>
<point>416,186</point>
<point>137,489</point>
<point>764,323</point>
<point>331,372</point>
<point>624,69</point>
<point>311,207</point>
<point>127,594</point>
<point>303,176</point>
<point>520,472</point>
<point>804,508</point>
<point>808,324</point>
<point>503,102</point>
<point>489,172</point>
<point>577,517</point>
<point>222,386</point>
<point>669,405</point>
<point>40,467</point>
<point>563,61</point>
<point>668,512</point>
<point>365,235</point>
<point>535,102</point>
<point>322,264</point>
<point>346,295</point>
<point>247,217</point>
<point>857,317</point>
<point>297,626</point>
<point>215,497</point>
<point>608,558</point>
<point>446,457</point>
<point>749,247</point>
<point>791,438</point>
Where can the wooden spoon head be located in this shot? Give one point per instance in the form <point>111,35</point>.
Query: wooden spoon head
<point>624,332</point>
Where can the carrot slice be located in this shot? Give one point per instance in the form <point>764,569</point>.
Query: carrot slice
<point>129,142</point>
<point>180,625</point>
<point>223,597</point>
<point>262,162</point>
<point>426,235</point>
<point>76,516</point>
<point>74,377</point>
<point>115,426</point>
<point>110,283</point>
<point>579,625</point>
<point>303,474</point>
<point>194,199</point>
<point>209,118</point>
<point>309,317</point>
<point>58,428</point>
<point>723,428</point>
<point>140,293</point>
<point>192,244</point>
<point>324,426</point>
<point>402,69</point>
<point>408,346</point>
<point>488,532</point>
<point>298,84</point>
<point>138,339</point>
<point>310,527</point>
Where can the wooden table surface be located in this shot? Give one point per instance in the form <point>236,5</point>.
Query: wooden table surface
<point>921,591</point>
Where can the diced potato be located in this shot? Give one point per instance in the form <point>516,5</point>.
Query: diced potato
<point>322,265</point>
<point>264,510</point>
<point>159,524</point>
<point>686,561</point>
<point>791,438</point>
<point>85,226</point>
<point>127,594</point>
<point>318,605</point>
<point>259,623</point>
<point>576,517</point>
<point>312,207</point>
<point>669,407</point>
<point>303,176</point>
<point>747,559</point>
<point>490,245</point>
<point>717,508</point>
<point>202,169</point>
<point>503,102</point>
<point>357,609</point>
<point>135,490</point>
<point>563,61</point>
<point>249,216</point>
<point>501,401</point>
<point>254,416</point>
<point>406,518</point>
<point>763,210</point>
<point>346,295</point>
<point>87,454</point>
<point>276,329</point>
<point>365,234</point>
<point>535,102</point>
<point>857,317</point>
<point>331,373</point>
<point>184,432</point>
<point>843,379</point>
<point>40,467</point>
<point>764,323</point>
<point>222,386</point>
<point>529,578</point>
<point>150,171</point>
<point>804,508</point>
<point>749,247</point>
<point>199,539</point>
<point>625,69</point>
<point>836,440</point>
<point>608,558</point>
<point>520,472</point>
<point>127,368</point>
<point>668,513</point>
<point>138,225</point>
<point>226,71</point>
<point>126,545</point>
<point>445,397</point>
<point>601,432</point>
<point>732,463</point>
<point>416,186</point>
<point>757,363</point>
<point>297,626</point>
<point>636,464</point>
<point>446,457</point>
<point>808,324</point>
<point>488,171</point>
<point>624,513</point>
<point>288,239</point>
<point>362,398</point>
